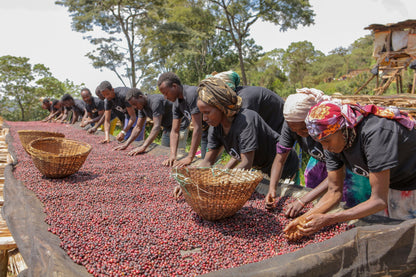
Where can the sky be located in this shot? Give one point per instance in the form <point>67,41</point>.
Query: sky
<point>41,31</point>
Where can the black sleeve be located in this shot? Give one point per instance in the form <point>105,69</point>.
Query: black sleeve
<point>213,141</point>
<point>192,104</point>
<point>286,139</point>
<point>333,161</point>
<point>248,139</point>
<point>157,108</point>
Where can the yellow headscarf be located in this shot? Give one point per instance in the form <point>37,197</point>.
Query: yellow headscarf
<point>217,93</point>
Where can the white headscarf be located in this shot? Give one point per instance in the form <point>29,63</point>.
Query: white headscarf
<point>297,105</point>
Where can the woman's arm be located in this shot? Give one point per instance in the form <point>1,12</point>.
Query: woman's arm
<point>378,201</point>
<point>276,173</point>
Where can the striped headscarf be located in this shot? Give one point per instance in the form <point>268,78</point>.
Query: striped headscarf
<point>215,92</point>
<point>297,105</point>
<point>327,117</point>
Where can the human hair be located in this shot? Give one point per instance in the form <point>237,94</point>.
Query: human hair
<point>45,100</point>
<point>54,102</point>
<point>66,97</point>
<point>87,90</point>
<point>104,85</point>
<point>170,78</point>
<point>133,92</point>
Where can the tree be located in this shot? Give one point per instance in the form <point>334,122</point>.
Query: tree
<point>298,59</point>
<point>268,71</point>
<point>121,21</point>
<point>23,85</point>
<point>184,40</point>
<point>15,78</point>
<point>237,16</point>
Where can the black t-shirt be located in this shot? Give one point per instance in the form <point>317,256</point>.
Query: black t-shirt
<point>186,106</point>
<point>96,105</point>
<point>248,133</point>
<point>157,106</point>
<point>265,102</point>
<point>288,138</point>
<point>380,144</point>
<point>119,104</point>
<point>78,107</point>
<point>52,109</point>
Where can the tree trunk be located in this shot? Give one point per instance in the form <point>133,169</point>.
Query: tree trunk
<point>22,110</point>
<point>243,70</point>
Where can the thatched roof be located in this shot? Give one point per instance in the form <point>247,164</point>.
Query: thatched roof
<point>410,23</point>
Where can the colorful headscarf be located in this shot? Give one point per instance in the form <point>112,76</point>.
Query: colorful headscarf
<point>297,105</point>
<point>215,92</point>
<point>231,78</point>
<point>327,117</point>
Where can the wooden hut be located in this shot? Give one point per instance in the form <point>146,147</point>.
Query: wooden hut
<point>394,50</point>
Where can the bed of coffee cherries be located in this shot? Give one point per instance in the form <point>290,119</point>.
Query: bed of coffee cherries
<point>117,216</point>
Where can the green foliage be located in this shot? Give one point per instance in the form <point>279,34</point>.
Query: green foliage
<point>23,85</point>
<point>236,17</point>
<point>185,41</point>
<point>119,48</point>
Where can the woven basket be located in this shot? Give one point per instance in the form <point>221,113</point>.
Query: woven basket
<point>26,136</point>
<point>216,193</point>
<point>58,157</point>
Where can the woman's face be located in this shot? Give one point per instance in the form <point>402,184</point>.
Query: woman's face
<point>299,128</point>
<point>210,114</point>
<point>334,143</point>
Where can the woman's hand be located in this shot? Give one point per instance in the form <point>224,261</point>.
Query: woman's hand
<point>314,223</point>
<point>177,191</point>
<point>291,230</point>
<point>269,200</point>
<point>293,209</point>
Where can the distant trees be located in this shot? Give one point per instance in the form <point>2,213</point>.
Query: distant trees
<point>23,84</point>
<point>192,37</point>
<point>121,23</point>
<point>235,17</point>
<point>301,65</point>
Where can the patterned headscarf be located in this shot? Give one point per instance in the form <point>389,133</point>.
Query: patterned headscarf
<point>297,105</point>
<point>215,92</point>
<point>231,78</point>
<point>327,117</point>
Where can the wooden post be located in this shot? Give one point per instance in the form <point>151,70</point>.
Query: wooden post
<point>366,83</point>
<point>401,83</point>
<point>4,260</point>
<point>397,84</point>
<point>414,83</point>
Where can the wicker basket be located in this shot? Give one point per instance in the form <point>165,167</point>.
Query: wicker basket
<point>58,157</point>
<point>216,193</point>
<point>26,136</point>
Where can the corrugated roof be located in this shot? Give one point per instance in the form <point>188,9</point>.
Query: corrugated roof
<point>410,23</point>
